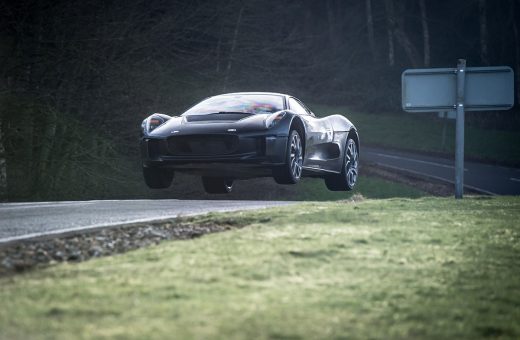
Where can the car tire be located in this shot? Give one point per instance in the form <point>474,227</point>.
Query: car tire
<point>214,185</point>
<point>347,179</point>
<point>291,172</point>
<point>157,178</point>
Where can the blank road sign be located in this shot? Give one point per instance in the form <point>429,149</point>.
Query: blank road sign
<point>486,88</point>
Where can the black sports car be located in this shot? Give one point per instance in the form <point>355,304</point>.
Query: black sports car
<point>246,135</point>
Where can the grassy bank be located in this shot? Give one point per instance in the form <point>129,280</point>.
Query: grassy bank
<point>313,189</point>
<point>424,133</point>
<point>397,268</point>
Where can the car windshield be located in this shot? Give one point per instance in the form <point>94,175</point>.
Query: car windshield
<point>239,103</point>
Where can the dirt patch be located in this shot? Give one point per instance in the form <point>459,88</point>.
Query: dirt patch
<point>25,255</point>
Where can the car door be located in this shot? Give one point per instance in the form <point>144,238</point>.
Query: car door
<point>319,133</point>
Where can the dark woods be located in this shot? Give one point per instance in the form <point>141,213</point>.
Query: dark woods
<point>77,77</point>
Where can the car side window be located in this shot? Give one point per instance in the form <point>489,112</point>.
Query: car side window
<point>306,108</point>
<point>297,107</point>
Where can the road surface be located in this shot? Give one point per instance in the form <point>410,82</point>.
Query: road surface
<point>485,178</point>
<point>20,221</point>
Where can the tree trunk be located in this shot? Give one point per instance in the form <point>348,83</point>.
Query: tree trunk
<point>217,67</point>
<point>390,22</point>
<point>3,168</point>
<point>219,46</point>
<point>482,10</point>
<point>308,19</point>
<point>397,28</point>
<point>370,29</point>
<point>517,51</point>
<point>233,46</point>
<point>332,24</point>
<point>426,34</point>
<point>408,47</point>
<point>47,142</point>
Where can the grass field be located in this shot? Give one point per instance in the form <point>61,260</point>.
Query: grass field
<point>313,189</point>
<point>423,133</point>
<point>398,268</point>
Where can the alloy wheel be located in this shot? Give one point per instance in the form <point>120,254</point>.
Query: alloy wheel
<point>296,157</point>
<point>351,163</point>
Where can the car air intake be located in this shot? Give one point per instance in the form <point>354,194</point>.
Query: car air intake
<point>203,145</point>
<point>215,117</point>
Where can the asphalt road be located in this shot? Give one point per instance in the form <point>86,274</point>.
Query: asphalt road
<point>20,221</point>
<point>485,178</point>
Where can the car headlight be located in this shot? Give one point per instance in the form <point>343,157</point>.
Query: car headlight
<point>153,122</point>
<point>273,119</point>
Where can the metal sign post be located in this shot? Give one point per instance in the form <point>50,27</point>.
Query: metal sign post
<point>459,130</point>
<point>461,89</point>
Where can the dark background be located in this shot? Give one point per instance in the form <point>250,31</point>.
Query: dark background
<point>77,77</point>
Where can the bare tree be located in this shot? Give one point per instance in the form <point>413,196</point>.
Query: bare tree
<point>426,33</point>
<point>517,50</point>
<point>233,45</point>
<point>218,48</point>
<point>3,168</point>
<point>370,29</point>
<point>482,10</point>
<point>390,23</point>
<point>396,23</point>
<point>331,20</point>
<point>46,155</point>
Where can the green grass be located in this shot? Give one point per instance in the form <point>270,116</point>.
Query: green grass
<point>313,189</point>
<point>399,268</point>
<point>415,131</point>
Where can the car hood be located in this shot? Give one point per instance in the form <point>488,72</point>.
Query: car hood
<point>181,126</point>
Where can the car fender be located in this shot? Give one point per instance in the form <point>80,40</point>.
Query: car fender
<point>283,128</point>
<point>340,123</point>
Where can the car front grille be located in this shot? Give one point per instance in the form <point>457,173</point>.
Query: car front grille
<point>203,145</point>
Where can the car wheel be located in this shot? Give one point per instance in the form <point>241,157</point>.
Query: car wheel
<point>349,172</point>
<point>291,172</point>
<point>214,185</point>
<point>157,178</point>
